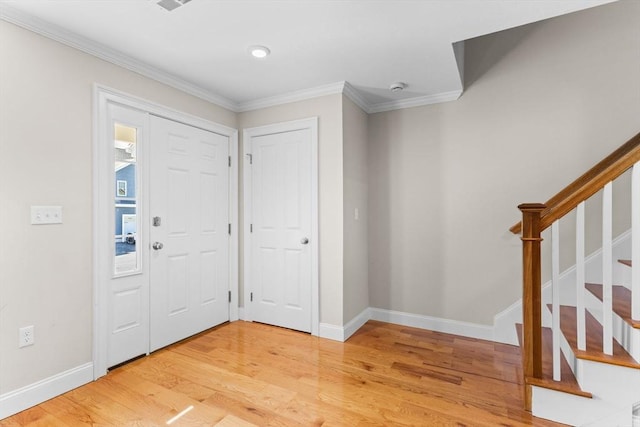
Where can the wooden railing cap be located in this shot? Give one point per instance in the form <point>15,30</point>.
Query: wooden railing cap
<point>532,207</point>
<point>608,169</point>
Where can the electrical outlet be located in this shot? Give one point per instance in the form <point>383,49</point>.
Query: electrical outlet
<point>26,336</point>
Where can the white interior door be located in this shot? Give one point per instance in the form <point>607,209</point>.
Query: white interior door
<point>189,259</point>
<point>281,228</point>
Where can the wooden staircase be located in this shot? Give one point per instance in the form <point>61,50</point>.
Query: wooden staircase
<point>571,382</point>
<point>581,346</point>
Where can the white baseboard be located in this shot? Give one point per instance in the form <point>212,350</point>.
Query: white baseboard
<point>455,327</point>
<point>331,332</point>
<point>504,324</point>
<point>23,398</point>
<point>465,329</point>
<point>356,323</point>
<point>342,333</point>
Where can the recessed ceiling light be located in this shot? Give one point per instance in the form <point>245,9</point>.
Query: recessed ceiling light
<point>259,51</point>
<point>397,87</point>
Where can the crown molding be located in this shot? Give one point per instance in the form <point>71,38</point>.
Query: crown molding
<point>54,32</point>
<point>353,94</point>
<point>298,95</point>
<point>415,102</point>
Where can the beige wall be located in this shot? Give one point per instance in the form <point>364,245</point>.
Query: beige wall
<point>356,245</point>
<point>46,95</point>
<point>328,109</point>
<point>45,158</point>
<point>543,103</point>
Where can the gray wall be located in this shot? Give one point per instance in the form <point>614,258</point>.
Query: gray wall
<point>356,245</point>
<point>543,103</point>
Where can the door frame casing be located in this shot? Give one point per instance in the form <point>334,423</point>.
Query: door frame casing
<point>102,97</point>
<point>312,125</point>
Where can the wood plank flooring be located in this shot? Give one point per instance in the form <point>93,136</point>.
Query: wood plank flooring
<point>244,374</point>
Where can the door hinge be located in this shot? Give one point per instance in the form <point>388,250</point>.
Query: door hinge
<point>229,161</point>
<point>250,158</point>
<point>229,229</point>
<point>251,297</point>
<point>229,296</point>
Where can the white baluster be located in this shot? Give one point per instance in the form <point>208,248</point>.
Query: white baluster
<point>580,277</point>
<point>555,299</point>
<point>635,242</point>
<point>607,269</point>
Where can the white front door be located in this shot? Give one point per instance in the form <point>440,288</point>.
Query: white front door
<point>146,167</point>
<point>189,259</point>
<point>281,227</point>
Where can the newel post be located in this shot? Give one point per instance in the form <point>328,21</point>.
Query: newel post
<point>531,294</point>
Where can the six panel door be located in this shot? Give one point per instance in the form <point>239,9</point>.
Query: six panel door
<point>281,222</point>
<point>189,278</point>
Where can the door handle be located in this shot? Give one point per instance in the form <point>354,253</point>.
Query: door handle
<point>304,240</point>
<point>157,246</point>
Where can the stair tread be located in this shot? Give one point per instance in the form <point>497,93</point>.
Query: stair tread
<point>568,382</point>
<point>568,325</point>
<point>621,301</point>
<point>625,262</point>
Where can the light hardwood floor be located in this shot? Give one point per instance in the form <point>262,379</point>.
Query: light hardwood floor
<point>243,374</point>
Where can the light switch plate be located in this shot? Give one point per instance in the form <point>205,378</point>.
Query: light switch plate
<point>46,215</point>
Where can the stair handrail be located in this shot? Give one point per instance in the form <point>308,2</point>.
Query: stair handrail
<point>607,170</point>
<point>536,217</point>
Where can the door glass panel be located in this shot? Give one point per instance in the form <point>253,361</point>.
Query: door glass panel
<point>126,179</point>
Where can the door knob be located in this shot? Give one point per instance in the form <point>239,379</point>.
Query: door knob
<point>304,240</point>
<point>157,246</point>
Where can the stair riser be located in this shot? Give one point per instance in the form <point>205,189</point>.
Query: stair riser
<point>619,419</point>
<point>627,336</point>
<point>622,275</point>
<point>618,385</point>
<point>576,410</point>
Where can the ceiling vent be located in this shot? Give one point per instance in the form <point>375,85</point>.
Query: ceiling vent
<point>172,4</point>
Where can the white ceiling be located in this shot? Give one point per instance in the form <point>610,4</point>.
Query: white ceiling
<point>316,45</point>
